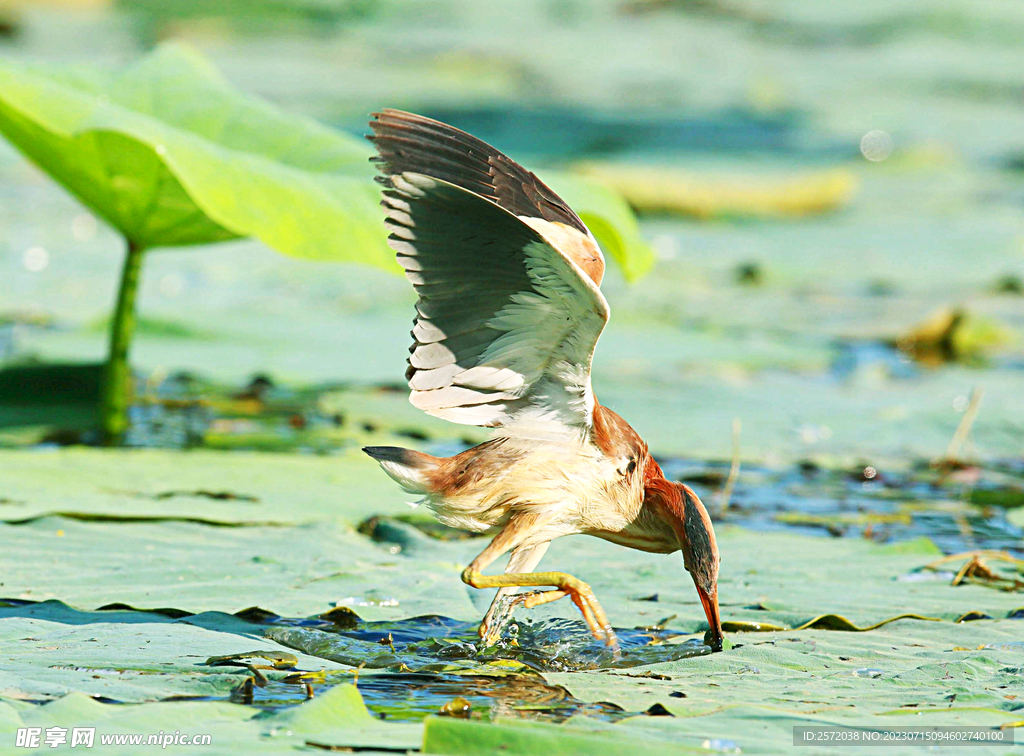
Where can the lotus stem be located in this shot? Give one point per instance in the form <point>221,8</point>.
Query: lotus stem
<point>734,468</point>
<point>117,383</point>
<point>970,414</point>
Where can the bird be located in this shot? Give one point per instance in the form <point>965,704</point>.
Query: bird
<point>508,315</point>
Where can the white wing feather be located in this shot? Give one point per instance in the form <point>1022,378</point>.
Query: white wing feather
<point>506,325</point>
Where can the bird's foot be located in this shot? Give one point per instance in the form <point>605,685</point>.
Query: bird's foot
<point>593,614</point>
<point>567,585</point>
<point>584,598</point>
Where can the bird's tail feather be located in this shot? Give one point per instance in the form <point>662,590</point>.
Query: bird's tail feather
<point>410,469</point>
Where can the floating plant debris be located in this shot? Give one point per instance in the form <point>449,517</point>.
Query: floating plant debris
<point>976,569</point>
<point>256,659</point>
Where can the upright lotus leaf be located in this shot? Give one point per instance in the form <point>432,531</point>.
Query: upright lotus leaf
<point>168,154</point>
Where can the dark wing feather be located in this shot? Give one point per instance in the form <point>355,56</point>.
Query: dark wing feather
<point>415,144</point>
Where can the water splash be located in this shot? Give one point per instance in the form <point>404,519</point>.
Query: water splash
<point>440,644</point>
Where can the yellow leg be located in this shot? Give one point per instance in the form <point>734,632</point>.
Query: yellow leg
<point>566,585</point>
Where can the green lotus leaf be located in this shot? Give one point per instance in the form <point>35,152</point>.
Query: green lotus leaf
<point>169,154</point>
<point>457,737</point>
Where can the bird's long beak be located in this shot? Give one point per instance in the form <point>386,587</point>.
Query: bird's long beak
<point>713,637</point>
<point>687,515</point>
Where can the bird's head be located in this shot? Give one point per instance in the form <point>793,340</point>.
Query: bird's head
<point>680,507</point>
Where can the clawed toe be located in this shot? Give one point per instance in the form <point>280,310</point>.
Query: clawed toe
<point>595,617</point>
<point>567,585</point>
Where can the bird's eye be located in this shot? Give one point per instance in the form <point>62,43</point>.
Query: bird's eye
<point>630,467</point>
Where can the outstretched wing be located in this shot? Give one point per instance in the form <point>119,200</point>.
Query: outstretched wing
<point>413,143</point>
<point>506,320</point>
<point>410,142</point>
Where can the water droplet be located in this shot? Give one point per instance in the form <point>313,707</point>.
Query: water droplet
<point>866,672</point>
<point>666,246</point>
<point>35,259</point>
<point>876,145</point>
<point>171,285</point>
<point>719,744</point>
<point>83,227</point>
